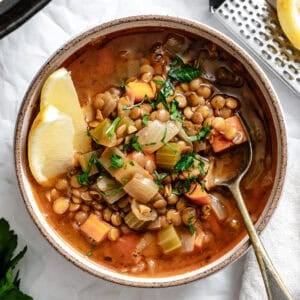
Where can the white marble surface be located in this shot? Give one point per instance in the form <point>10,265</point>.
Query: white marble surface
<point>46,275</point>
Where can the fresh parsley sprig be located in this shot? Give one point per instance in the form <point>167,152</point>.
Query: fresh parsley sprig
<point>111,129</point>
<point>201,136</point>
<point>9,286</point>
<point>191,225</point>
<point>116,161</point>
<point>83,179</point>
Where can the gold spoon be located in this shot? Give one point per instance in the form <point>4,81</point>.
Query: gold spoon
<point>274,285</point>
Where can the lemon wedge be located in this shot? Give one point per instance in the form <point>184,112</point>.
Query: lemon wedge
<point>50,144</point>
<point>289,17</point>
<point>59,91</point>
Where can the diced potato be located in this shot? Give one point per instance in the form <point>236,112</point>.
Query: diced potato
<point>198,195</point>
<point>138,90</point>
<point>95,229</point>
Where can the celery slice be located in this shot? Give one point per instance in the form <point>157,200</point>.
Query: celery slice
<point>133,222</point>
<point>100,136</point>
<point>167,156</point>
<point>168,239</point>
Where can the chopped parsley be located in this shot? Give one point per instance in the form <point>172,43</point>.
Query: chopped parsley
<point>83,179</point>
<point>202,182</point>
<point>203,133</point>
<point>201,166</point>
<point>90,252</point>
<point>124,180</point>
<point>92,137</point>
<point>131,163</point>
<point>134,144</point>
<point>166,91</point>
<point>159,178</point>
<point>116,162</point>
<point>145,119</point>
<point>186,161</point>
<point>135,105</point>
<point>175,113</point>
<point>163,140</point>
<point>184,186</point>
<point>111,129</point>
<point>157,81</point>
<point>191,225</point>
<point>183,72</point>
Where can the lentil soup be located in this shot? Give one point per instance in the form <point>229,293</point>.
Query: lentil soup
<point>159,106</point>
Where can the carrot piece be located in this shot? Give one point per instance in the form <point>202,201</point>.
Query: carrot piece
<point>138,90</point>
<point>197,195</point>
<point>220,143</point>
<point>126,245</point>
<point>95,229</point>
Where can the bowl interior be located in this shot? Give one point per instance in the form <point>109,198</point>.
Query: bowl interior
<point>260,109</point>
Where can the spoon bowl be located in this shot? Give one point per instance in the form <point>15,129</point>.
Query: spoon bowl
<point>236,169</point>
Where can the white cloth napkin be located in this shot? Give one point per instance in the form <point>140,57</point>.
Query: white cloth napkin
<point>46,275</point>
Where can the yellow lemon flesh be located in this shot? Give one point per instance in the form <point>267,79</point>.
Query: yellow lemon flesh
<point>289,17</point>
<point>59,91</point>
<point>50,144</point>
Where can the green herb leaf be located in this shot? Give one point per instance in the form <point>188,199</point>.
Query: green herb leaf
<point>111,129</point>
<point>202,182</point>
<point>201,166</point>
<point>135,144</point>
<point>191,225</point>
<point>116,162</point>
<point>90,252</point>
<point>135,105</point>
<point>124,180</point>
<point>185,73</point>
<point>157,81</point>
<point>145,119</point>
<point>159,178</point>
<point>83,179</point>
<point>131,163</point>
<point>186,161</point>
<point>177,62</point>
<point>166,91</point>
<point>92,137</point>
<point>9,286</point>
<point>167,144</point>
<point>203,133</point>
<point>175,113</point>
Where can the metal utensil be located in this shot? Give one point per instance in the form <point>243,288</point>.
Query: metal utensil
<point>274,285</point>
<point>255,23</point>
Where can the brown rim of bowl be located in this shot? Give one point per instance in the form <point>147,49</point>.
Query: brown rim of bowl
<point>136,22</point>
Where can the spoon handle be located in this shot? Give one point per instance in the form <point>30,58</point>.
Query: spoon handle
<point>275,287</point>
